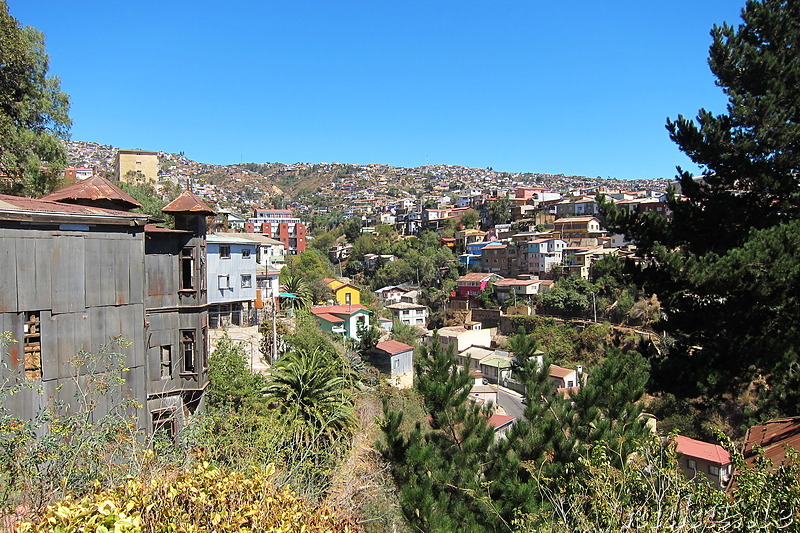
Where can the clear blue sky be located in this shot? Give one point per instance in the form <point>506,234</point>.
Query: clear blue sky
<point>574,87</point>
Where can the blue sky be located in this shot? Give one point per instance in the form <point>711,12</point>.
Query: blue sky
<point>574,87</point>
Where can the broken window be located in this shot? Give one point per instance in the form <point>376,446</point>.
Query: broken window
<point>187,268</point>
<point>188,351</point>
<point>223,282</point>
<point>247,281</point>
<point>245,253</point>
<point>164,424</point>
<point>33,345</point>
<point>224,251</point>
<point>166,361</point>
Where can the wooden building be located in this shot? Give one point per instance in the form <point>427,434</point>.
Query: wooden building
<point>74,277</point>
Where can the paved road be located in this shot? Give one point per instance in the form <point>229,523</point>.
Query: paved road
<point>511,403</point>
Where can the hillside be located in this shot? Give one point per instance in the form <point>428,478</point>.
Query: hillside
<point>248,184</point>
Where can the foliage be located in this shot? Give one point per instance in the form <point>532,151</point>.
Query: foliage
<point>202,498</point>
<point>308,336</point>
<point>352,229</point>
<point>33,110</point>
<point>649,493</point>
<point>405,333</point>
<point>501,211</point>
<point>470,219</point>
<point>725,267</point>
<point>310,266</point>
<point>231,384</point>
<point>71,445</point>
<point>310,389</point>
<point>440,469</point>
<point>152,202</point>
<point>368,337</point>
<point>298,287</point>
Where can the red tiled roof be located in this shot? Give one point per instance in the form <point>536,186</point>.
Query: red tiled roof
<point>712,453</point>
<point>188,202</point>
<point>772,437</point>
<point>393,347</point>
<point>93,189</point>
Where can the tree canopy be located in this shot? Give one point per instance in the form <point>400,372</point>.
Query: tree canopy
<point>725,266</point>
<point>33,109</point>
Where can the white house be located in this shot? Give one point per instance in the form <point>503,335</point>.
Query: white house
<point>231,281</point>
<point>409,314</point>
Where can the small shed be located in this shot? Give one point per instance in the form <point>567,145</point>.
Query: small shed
<point>398,355</point>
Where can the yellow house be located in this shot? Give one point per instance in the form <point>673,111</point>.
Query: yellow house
<point>136,166</point>
<point>345,293</point>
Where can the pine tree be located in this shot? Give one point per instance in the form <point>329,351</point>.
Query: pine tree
<point>721,291</point>
<point>441,466</point>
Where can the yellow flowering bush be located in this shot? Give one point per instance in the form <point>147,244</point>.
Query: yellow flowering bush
<point>199,499</point>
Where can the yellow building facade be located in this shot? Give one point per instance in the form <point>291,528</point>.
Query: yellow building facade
<point>136,166</point>
<point>344,293</point>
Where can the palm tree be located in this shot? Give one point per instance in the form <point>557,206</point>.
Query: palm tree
<point>297,287</point>
<point>309,387</point>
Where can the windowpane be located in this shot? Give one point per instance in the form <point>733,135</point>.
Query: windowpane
<point>224,251</point>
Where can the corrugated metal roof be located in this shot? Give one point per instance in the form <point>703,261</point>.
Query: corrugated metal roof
<point>217,238</point>
<point>93,189</point>
<point>707,451</point>
<point>772,437</point>
<point>560,372</point>
<point>31,205</point>
<point>188,202</point>
<point>393,347</point>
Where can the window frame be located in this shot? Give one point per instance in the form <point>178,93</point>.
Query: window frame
<point>224,285</point>
<point>188,347</point>
<point>188,261</point>
<point>166,362</point>
<point>32,364</point>
<point>224,251</point>
<point>246,253</point>
<point>249,279</point>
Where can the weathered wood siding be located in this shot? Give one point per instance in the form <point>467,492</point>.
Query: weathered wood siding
<point>88,289</point>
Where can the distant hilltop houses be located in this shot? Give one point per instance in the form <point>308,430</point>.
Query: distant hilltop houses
<point>523,224</point>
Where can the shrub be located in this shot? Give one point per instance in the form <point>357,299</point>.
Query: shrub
<point>202,498</point>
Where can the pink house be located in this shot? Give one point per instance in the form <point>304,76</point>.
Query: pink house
<point>471,285</point>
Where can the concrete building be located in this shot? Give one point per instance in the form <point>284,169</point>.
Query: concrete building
<point>409,314</point>
<point>136,166</point>
<point>280,225</point>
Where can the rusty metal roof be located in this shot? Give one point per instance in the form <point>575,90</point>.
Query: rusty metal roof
<point>31,206</point>
<point>152,228</point>
<point>188,202</point>
<point>94,189</point>
<point>393,347</point>
<point>773,437</point>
